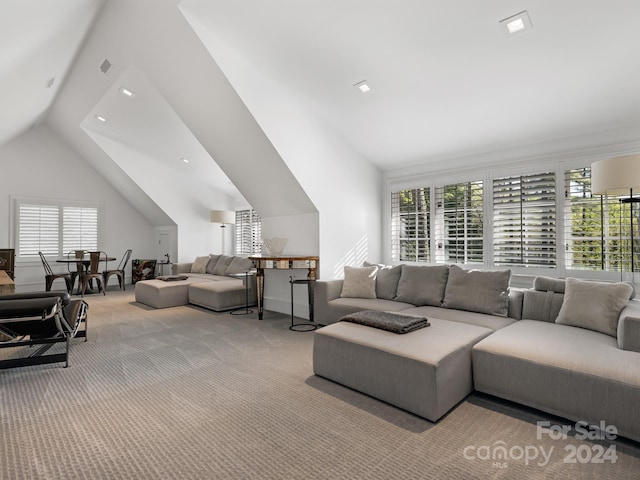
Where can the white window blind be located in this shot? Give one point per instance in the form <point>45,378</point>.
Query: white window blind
<point>79,228</point>
<point>54,227</point>
<point>248,232</point>
<point>524,220</point>
<point>597,228</point>
<point>459,223</point>
<point>410,225</point>
<point>38,230</point>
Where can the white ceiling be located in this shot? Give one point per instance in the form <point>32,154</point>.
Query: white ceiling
<point>448,82</point>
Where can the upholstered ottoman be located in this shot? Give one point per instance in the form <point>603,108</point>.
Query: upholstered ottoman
<point>163,294</point>
<point>426,372</point>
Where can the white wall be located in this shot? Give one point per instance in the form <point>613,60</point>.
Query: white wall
<point>39,164</point>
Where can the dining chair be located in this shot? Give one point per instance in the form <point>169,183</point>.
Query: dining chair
<point>75,269</point>
<point>119,272</point>
<point>93,272</point>
<point>50,276</point>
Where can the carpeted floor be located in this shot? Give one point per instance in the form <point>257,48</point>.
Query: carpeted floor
<point>185,393</point>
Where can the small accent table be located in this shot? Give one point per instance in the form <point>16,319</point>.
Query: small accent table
<point>302,326</point>
<point>280,262</point>
<point>243,310</point>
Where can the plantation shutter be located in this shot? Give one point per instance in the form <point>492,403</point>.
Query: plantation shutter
<point>597,228</point>
<point>459,223</point>
<point>38,230</point>
<point>410,225</point>
<point>248,232</point>
<point>524,220</point>
<point>80,229</point>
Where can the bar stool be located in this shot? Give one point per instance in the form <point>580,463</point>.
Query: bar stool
<point>303,326</point>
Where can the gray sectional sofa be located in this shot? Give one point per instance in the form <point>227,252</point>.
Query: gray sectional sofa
<point>567,347</point>
<point>212,281</point>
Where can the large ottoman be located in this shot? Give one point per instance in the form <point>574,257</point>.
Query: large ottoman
<point>163,294</point>
<point>220,295</point>
<point>426,372</point>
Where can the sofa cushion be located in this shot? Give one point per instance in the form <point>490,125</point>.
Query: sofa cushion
<point>359,282</point>
<point>422,285</point>
<point>199,265</point>
<point>476,291</point>
<point>222,264</point>
<point>594,305</point>
<point>239,265</point>
<point>387,280</point>
<point>211,264</point>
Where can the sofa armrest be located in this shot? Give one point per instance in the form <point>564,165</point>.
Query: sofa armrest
<point>324,291</point>
<point>629,327</point>
<point>184,267</point>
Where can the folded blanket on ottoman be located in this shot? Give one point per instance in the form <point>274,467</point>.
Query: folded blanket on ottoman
<point>390,321</point>
<point>172,278</point>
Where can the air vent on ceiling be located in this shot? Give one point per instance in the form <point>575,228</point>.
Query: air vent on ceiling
<point>105,67</point>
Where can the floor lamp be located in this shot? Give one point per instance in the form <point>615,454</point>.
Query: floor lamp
<point>618,176</point>
<point>224,218</point>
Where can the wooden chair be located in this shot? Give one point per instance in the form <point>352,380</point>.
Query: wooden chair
<point>119,272</point>
<point>93,272</point>
<point>50,276</point>
<point>75,269</point>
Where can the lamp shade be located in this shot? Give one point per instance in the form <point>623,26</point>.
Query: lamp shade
<point>223,216</point>
<point>615,176</point>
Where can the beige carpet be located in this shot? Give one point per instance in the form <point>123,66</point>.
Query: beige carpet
<point>185,393</point>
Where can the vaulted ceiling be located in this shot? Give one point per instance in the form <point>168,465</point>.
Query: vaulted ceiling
<point>447,81</point>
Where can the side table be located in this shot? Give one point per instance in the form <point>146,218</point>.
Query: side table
<point>243,310</point>
<point>304,326</point>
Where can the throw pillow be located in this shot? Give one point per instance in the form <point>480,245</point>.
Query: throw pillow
<point>478,291</point>
<point>221,266</point>
<point>239,265</point>
<point>594,305</point>
<point>387,280</point>
<point>199,265</point>
<point>422,285</point>
<point>359,282</point>
<point>213,259</point>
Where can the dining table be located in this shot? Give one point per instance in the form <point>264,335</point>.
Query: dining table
<point>86,262</point>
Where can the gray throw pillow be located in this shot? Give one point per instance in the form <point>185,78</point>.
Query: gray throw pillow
<point>213,259</point>
<point>221,266</point>
<point>239,265</point>
<point>594,305</point>
<point>478,291</point>
<point>359,282</point>
<point>199,265</point>
<point>422,285</point>
<point>387,280</point>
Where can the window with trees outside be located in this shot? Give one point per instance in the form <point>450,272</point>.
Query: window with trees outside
<point>248,232</point>
<point>459,223</point>
<point>54,228</point>
<point>598,228</point>
<point>410,225</point>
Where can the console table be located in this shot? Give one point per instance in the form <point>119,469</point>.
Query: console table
<point>263,263</point>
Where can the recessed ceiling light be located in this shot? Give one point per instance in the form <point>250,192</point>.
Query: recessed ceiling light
<point>185,160</point>
<point>517,23</point>
<point>101,118</point>
<point>127,92</point>
<point>363,86</point>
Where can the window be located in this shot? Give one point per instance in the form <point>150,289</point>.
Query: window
<point>598,232</point>
<point>410,225</point>
<point>54,228</point>
<point>248,233</point>
<point>524,220</point>
<point>459,227</point>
